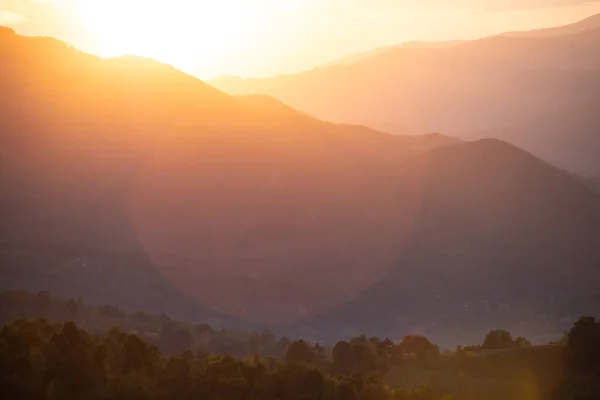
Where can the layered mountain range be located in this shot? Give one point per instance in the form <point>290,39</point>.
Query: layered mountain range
<point>536,89</point>
<point>129,182</point>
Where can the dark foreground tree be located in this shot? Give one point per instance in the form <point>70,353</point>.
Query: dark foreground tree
<point>498,339</point>
<point>40,360</point>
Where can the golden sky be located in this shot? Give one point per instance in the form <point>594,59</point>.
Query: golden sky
<point>268,37</point>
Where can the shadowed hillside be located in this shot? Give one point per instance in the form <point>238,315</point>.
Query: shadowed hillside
<point>496,240</point>
<point>238,203</point>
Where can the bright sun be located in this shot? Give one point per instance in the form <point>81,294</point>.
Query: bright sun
<point>178,32</point>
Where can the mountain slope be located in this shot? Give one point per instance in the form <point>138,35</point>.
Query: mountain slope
<point>471,90</point>
<point>568,137</point>
<point>226,199</point>
<point>497,243</point>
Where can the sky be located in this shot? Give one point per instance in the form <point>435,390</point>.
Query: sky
<point>253,38</point>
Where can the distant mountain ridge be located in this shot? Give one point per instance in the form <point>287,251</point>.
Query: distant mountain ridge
<point>407,45</point>
<point>504,86</point>
<point>592,22</point>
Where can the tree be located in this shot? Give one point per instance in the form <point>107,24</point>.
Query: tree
<point>396,355</point>
<point>175,338</point>
<point>343,357</point>
<point>583,344</point>
<point>223,343</point>
<point>73,307</point>
<point>498,339</point>
<point>365,356</point>
<point>417,345</point>
<point>73,366</point>
<point>296,381</point>
<point>300,351</point>
<point>43,301</point>
<point>347,392</point>
<point>522,342</point>
<point>431,358</point>
<point>204,329</point>
<point>135,352</point>
<point>281,347</point>
<point>40,360</point>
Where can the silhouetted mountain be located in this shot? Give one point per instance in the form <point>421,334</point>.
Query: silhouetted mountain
<point>501,238</point>
<point>243,204</point>
<point>592,22</point>
<point>130,182</point>
<point>493,86</point>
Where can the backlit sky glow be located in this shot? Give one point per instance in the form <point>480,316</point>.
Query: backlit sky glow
<point>268,37</point>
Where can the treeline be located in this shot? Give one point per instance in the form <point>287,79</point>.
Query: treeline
<point>179,360</point>
<point>170,335</point>
<point>362,355</point>
<point>42,360</point>
<point>499,339</point>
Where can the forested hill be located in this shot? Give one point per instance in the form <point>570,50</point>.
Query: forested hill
<point>168,333</point>
<point>49,360</point>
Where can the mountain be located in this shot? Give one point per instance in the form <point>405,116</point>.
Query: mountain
<point>592,22</point>
<point>132,183</point>
<point>568,137</point>
<point>496,243</point>
<point>241,204</point>
<point>494,86</point>
<point>407,45</point>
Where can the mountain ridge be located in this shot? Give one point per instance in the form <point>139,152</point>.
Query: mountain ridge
<point>492,86</point>
<point>591,22</point>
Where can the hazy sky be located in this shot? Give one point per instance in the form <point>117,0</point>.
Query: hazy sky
<point>266,37</point>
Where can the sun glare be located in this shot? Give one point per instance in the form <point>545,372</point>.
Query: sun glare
<point>179,32</point>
